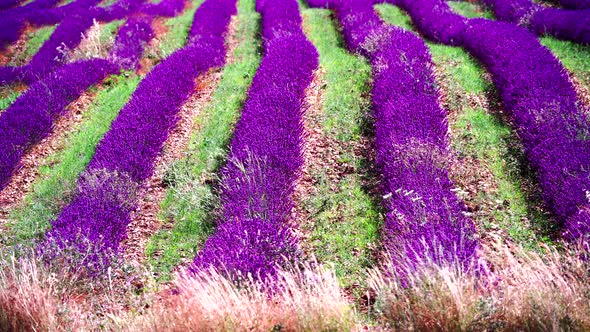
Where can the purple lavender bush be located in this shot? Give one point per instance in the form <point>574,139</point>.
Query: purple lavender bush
<point>541,101</point>
<point>131,40</point>
<point>13,21</point>
<point>561,23</point>
<point>425,221</point>
<point>7,4</point>
<point>253,235</point>
<point>575,4</point>
<point>30,118</point>
<point>100,211</point>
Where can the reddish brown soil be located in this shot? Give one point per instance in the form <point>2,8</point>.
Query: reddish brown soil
<point>470,176</point>
<point>147,63</point>
<point>318,150</point>
<point>145,221</point>
<point>17,49</point>
<point>582,92</point>
<point>22,180</point>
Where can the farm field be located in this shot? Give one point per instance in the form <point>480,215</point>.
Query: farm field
<point>294,165</point>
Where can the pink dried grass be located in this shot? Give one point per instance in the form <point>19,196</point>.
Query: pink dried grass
<point>517,290</point>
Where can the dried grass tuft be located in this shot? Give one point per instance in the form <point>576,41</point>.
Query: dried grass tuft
<point>523,291</point>
<point>91,46</point>
<point>310,300</point>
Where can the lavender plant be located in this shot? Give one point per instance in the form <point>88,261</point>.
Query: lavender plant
<point>253,235</point>
<point>100,211</point>
<point>541,101</point>
<point>561,23</point>
<point>30,118</point>
<point>425,221</point>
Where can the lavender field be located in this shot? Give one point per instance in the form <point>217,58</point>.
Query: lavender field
<point>285,165</point>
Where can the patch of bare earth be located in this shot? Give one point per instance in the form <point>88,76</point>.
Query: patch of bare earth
<point>153,52</point>
<point>321,156</point>
<point>471,175</point>
<point>320,153</point>
<point>145,220</point>
<point>23,179</point>
<point>582,92</point>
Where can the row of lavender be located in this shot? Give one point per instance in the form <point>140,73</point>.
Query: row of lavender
<point>96,219</point>
<point>42,12</point>
<point>30,118</point>
<point>561,23</point>
<point>253,235</point>
<point>127,49</point>
<point>425,221</point>
<point>537,94</point>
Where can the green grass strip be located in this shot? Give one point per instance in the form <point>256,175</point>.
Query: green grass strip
<point>7,96</point>
<point>190,199</point>
<point>345,220</point>
<point>35,40</point>
<point>58,174</point>
<point>109,30</point>
<point>179,27</point>
<point>575,57</point>
<point>469,9</point>
<point>482,136</point>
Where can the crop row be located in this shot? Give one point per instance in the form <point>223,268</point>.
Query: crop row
<point>95,221</point>
<point>30,118</point>
<point>6,4</point>
<point>30,123</point>
<point>253,235</point>
<point>575,4</point>
<point>561,23</point>
<point>538,96</point>
<point>128,46</point>
<point>425,221</point>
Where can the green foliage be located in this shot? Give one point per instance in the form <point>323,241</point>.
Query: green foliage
<point>469,9</point>
<point>191,199</point>
<point>178,27</point>
<point>35,40</point>
<point>394,15</point>
<point>109,30</point>
<point>8,95</point>
<point>58,174</point>
<point>345,220</point>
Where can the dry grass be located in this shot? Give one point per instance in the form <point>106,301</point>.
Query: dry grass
<point>310,300</point>
<point>35,298</point>
<point>518,291</point>
<point>91,46</point>
<point>29,299</point>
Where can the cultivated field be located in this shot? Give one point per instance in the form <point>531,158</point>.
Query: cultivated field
<point>284,165</point>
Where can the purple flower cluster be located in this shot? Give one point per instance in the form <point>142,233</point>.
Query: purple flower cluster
<point>12,21</point>
<point>7,4</point>
<point>164,8</point>
<point>253,235</point>
<point>99,213</point>
<point>76,18</point>
<point>575,4</point>
<point>541,101</point>
<point>49,58</point>
<point>131,40</point>
<point>425,221</point>
<point>30,118</point>
<point>55,15</point>
<point>561,23</point>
